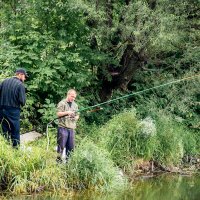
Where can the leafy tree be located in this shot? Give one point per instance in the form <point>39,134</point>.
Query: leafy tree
<point>95,46</point>
<point>141,34</point>
<point>49,39</point>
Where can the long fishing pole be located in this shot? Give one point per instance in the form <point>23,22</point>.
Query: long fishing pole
<point>122,97</point>
<point>139,92</point>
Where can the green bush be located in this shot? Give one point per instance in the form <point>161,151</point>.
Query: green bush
<point>190,141</point>
<point>126,138</point>
<point>91,167</point>
<point>175,140</point>
<point>27,169</point>
<point>170,149</point>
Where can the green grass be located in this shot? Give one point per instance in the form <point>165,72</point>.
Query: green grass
<point>91,167</point>
<point>33,168</point>
<point>125,138</point>
<point>100,157</point>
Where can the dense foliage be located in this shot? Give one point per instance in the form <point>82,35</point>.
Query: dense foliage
<point>98,47</point>
<point>104,49</point>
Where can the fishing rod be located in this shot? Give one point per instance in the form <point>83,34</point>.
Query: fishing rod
<point>97,106</point>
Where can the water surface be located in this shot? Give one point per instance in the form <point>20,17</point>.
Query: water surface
<point>164,187</point>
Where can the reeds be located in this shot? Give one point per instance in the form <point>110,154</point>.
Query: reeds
<point>125,138</point>
<point>27,170</point>
<point>91,167</point>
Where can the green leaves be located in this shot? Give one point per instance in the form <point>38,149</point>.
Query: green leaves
<point>48,111</point>
<point>80,44</point>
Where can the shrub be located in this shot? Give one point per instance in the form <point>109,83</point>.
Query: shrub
<point>170,148</point>
<point>126,138</point>
<point>27,169</point>
<point>91,167</point>
<point>175,140</point>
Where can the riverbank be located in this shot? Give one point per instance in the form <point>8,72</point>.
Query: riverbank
<point>149,169</point>
<point>104,158</point>
<point>36,172</point>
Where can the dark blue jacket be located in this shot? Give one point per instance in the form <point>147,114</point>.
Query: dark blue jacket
<point>12,93</point>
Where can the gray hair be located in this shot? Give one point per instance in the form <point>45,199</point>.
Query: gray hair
<point>70,91</point>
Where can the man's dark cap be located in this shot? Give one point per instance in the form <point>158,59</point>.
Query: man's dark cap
<point>21,71</point>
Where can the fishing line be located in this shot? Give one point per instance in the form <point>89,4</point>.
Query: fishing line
<point>122,97</point>
<point>139,92</point>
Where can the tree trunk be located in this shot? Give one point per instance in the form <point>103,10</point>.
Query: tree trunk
<point>130,62</point>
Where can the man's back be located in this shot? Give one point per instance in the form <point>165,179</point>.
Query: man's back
<point>12,93</point>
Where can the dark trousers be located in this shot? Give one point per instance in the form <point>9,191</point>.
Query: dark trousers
<point>65,139</point>
<point>10,122</point>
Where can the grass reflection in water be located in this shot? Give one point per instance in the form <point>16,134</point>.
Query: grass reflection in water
<point>164,187</point>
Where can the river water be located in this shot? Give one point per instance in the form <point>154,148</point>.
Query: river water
<point>163,187</point>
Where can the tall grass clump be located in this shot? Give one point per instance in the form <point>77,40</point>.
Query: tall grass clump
<point>49,179</point>
<point>191,141</point>
<point>91,167</point>
<point>128,138</point>
<point>175,140</point>
<point>27,169</point>
<point>170,148</point>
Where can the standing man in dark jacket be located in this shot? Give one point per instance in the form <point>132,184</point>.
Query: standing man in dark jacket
<point>12,98</point>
